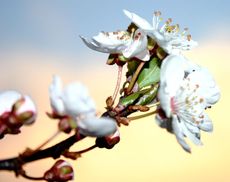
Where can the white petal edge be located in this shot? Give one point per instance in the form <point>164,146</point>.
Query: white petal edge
<point>97,127</point>
<point>179,135</point>
<point>207,124</point>
<point>140,22</point>
<point>93,45</point>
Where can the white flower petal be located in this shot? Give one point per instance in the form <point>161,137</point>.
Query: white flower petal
<point>172,73</point>
<point>192,128</point>
<point>188,133</point>
<point>8,99</point>
<point>114,41</point>
<point>140,22</point>
<point>76,100</point>
<point>138,46</point>
<point>171,77</point>
<point>144,55</point>
<point>206,125</point>
<point>92,45</point>
<point>97,127</point>
<point>55,91</point>
<point>179,135</point>
<point>165,100</point>
<point>207,85</point>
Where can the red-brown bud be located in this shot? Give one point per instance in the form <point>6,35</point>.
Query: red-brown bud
<point>67,124</point>
<point>109,141</point>
<point>61,171</point>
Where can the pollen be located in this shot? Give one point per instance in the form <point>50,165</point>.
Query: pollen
<point>189,37</point>
<point>157,13</point>
<point>136,37</point>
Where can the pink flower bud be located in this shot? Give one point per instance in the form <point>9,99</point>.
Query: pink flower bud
<point>66,124</point>
<point>26,112</point>
<point>15,111</point>
<point>61,171</point>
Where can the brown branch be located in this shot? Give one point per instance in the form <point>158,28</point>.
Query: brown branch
<point>15,163</point>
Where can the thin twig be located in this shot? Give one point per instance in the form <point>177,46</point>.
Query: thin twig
<point>117,88</point>
<point>86,150</point>
<point>31,178</point>
<point>142,116</point>
<point>48,140</point>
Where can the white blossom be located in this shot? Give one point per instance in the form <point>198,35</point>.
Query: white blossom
<point>121,42</point>
<point>74,101</point>
<point>25,106</point>
<point>90,125</point>
<point>168,36</point>
<point>186,90</point>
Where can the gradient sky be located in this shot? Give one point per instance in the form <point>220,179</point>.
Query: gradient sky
<point>40,38</point>
<point>53,26</point>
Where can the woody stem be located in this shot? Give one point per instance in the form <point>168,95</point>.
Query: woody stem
<point>134,78</point>
<point>86,150</point>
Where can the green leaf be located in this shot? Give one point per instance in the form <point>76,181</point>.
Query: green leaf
<point>149,75</point>
<point>126,101</point>
<point>148,97</point>
<point>132,66</point>
<point>122,58</point>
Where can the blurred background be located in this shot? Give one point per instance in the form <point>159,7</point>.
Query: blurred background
<point>40,38</point>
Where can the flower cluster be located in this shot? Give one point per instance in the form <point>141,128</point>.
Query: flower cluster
<point>185,89</point>
<point>158,76</point>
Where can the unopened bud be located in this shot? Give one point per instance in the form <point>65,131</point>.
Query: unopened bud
<point>67,124</point>
<point>109,103</point>
<point>25,116</point>
<point>108,141</point>
<point>25,111</point>
<point>16,110</point>
<point>61,171</point>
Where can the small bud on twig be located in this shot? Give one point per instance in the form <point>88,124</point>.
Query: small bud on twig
<point>109,141</point>
<point>61,171</point>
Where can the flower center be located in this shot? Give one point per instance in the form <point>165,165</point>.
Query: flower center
<point>187,104</point>
<point>173,105</point>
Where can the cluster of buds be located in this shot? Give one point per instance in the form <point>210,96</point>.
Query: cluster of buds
<point>16,110</point>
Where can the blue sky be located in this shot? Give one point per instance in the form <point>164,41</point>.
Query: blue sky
<point>53,26</point>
